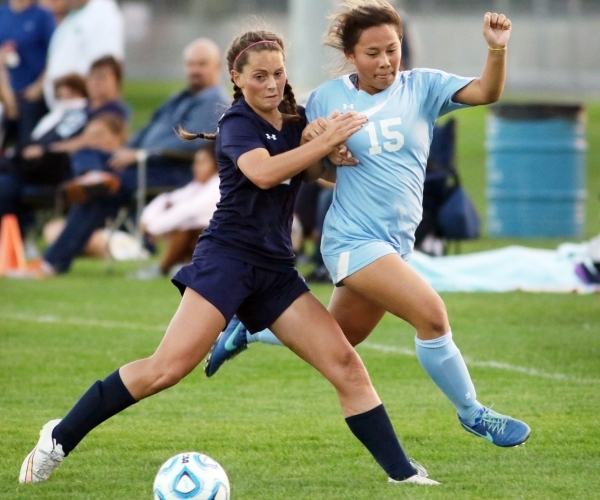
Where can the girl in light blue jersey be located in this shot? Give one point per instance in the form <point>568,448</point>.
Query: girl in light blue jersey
<point>369,230</point>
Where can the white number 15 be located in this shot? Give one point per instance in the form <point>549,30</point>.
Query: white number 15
<point>397,139</point>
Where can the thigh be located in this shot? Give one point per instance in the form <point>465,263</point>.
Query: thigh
<point>356,315</point>
<point>391,284</point>
<point>190,334</point>
<point>309,331</point>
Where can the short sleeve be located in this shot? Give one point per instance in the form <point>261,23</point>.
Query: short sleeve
<point>314,109</point>
<point>441,88</point>
<point>239,134</point>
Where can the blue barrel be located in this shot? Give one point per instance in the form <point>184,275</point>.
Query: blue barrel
<point>536,170</point>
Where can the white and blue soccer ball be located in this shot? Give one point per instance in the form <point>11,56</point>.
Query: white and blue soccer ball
<point>191,476</point>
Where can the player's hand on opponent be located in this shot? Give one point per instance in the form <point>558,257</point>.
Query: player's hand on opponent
<point>496,30</point>
<point>314,129</point>
<point>340,126</point>
<point>345,124</point>
<point>342,157</point>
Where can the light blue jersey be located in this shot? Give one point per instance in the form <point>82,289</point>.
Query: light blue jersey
<point>377,205</point>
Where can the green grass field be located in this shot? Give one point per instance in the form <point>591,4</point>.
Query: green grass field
<point>272,421</point>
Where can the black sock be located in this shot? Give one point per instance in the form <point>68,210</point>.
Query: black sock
<point>374,430</point>
<point>101,401</point>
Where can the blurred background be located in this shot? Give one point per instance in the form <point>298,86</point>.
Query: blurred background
<point>555,47</point>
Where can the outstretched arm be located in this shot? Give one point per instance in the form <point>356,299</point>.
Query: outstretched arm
<point>488,88</point>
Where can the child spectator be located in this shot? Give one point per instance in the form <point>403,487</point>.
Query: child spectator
<point>181,215</point>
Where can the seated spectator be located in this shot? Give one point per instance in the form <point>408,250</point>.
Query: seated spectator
<point>199,107</point>
<point>103,135</point>
<point>47,159</point>
<point>92,29</point>
<point>104,87</point>
<point>16,173</point>
<point>180,216</point>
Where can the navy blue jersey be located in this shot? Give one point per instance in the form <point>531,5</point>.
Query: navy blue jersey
<point>251,224</point>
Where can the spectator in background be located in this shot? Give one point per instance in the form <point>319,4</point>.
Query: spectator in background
<point>58,8</point>
<point>104,87</point>
<point>181,215</point>
<point>16,173</point>
<point>92,29</point>
<point>47,160</point>
<point>103,135</point>
<point>25,32</point>
<point>198,107</point>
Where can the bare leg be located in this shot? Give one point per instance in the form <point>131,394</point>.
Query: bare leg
<point>310,331</point>
<point>356,315</point>
<point>392,285</point>
<point>192,331</point>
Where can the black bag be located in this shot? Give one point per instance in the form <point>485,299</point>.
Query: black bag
<point>458,218</point>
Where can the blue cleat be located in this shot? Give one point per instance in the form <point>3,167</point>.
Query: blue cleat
<point>229,344</point>
<point>500,430</point>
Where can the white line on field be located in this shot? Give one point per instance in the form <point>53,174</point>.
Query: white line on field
<point>81,322</point>
<point>532,372</point>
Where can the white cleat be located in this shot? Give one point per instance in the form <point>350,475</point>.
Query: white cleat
<point>45,457</point>
<point>419,478</point>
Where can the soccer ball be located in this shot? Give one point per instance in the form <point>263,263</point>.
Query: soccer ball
<point>193,476</point>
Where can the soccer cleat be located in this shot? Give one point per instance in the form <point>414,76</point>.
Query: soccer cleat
<point>500,430</point>
<point>45,457</point>
<point>229,344</point>
<point>419,478</point>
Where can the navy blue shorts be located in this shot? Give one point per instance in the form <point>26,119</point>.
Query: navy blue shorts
<point>258,296</point>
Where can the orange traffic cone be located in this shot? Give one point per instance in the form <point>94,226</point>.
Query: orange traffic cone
<point>12,255</point>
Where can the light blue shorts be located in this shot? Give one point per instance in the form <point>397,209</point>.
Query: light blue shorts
<point>345,264</point>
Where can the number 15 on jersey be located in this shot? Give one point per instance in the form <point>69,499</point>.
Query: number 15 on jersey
<point>385,129</point>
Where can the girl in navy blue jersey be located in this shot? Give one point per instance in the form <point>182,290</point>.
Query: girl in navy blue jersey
<point>243,264</point>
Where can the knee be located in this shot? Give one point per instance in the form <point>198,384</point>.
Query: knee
<point>352,372</point>
<point>434,323</point>
<point>165,375</point>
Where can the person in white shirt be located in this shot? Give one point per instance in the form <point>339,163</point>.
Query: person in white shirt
<point>92,29</point>
<point>180,216</point>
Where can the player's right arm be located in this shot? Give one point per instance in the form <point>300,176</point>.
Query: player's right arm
<point>267,171</point>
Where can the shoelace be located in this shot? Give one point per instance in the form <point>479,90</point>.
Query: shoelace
<point>49,463</point>
<point>421,471</point>
<point>494,421</point>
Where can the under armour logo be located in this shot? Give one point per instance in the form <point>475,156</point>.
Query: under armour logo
<point>348,106</point>
<point>271,136</point>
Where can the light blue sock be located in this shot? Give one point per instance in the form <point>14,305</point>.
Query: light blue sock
<point>265,336</point>
<point>444,363</point>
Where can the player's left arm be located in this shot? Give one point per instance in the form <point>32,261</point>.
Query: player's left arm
<point>488,88</point>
